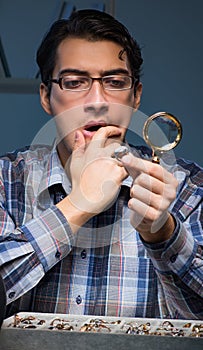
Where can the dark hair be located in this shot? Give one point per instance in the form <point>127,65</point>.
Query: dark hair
<point>92,25</point>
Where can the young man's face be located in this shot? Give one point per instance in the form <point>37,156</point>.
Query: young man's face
<point>88,110</point>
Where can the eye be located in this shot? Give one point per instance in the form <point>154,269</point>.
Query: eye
<point>75,82</point>
<point>115,82</point>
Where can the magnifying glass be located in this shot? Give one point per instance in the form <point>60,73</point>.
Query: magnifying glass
<point>162,132</point>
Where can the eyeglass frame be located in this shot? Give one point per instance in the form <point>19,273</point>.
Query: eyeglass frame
<point>99,79</point>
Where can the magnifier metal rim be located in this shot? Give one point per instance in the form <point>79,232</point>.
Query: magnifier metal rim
<point>170,117</point>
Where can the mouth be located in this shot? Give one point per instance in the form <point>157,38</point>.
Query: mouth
<point>92,127</point>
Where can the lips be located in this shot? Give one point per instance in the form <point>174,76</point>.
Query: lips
<point>92,127</point>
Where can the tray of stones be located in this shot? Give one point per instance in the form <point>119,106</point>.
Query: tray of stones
<point>25,331</point>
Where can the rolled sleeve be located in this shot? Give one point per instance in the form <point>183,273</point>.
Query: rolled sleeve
<point>175,255</point>
<point>27,255</point>
<point>50,236</point>
<point>180,258</point>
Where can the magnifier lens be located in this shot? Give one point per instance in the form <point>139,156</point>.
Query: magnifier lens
<point>162,132</point>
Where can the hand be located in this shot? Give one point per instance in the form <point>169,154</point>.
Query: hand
<point>96,177</point>
<point>152,192</point>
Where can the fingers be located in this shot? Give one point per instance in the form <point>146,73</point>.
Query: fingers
<point>103,133</point>
<point>77,154</point>
<point>154,185</point>
<point>97,145</point>
<point>143,198</point>
<point>143,211</point>
<point>79,142</point>
<point>136,166</point>
<point>152,192</point>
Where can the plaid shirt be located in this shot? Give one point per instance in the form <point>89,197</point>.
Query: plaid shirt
<point>106,269</point>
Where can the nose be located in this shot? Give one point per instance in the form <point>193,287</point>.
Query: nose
<point>96,109</point>
<point>96,102</point>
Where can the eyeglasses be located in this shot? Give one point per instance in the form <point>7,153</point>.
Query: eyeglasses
<point>83,83</point>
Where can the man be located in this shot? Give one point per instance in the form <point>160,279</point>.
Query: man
<point>84,231</point>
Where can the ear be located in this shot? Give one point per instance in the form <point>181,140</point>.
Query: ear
<point>138,96</point>
<point>45,98</point>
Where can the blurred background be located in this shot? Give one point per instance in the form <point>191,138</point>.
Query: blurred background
<point>169,33</point>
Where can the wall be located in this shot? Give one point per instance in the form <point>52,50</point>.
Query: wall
<point>169,33</point>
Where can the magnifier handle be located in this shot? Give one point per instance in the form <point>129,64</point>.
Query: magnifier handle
<point>156,160</point>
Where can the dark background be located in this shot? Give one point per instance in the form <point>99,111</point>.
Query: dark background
<point>170,34</point>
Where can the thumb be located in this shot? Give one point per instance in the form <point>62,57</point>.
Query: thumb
<point>131,164</point>
<point>79,144</point>
<point>77,152</point>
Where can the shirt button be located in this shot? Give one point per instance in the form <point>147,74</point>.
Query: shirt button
<point>78,300</point>
<point>173,258</point>
<point>11,295</point>
<point>57,255</point>
<point>83,254</point>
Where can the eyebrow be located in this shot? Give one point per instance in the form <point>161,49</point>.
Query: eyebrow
<point>86,73</point>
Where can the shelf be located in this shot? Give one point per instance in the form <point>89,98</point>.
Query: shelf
<point>19,86</point>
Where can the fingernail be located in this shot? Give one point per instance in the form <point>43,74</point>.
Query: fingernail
<point>126,159</point>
